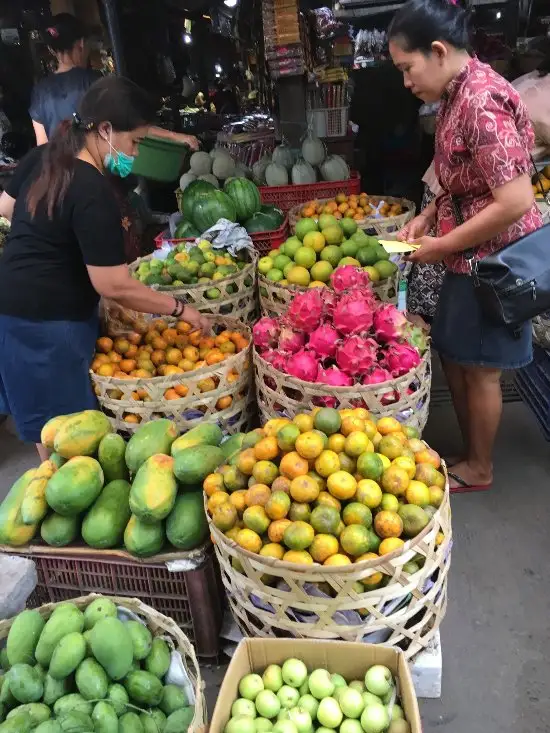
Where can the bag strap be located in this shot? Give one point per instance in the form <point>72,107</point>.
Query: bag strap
<point>546,194</point>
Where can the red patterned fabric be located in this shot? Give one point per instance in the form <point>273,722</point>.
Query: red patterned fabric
<point>483,140</point>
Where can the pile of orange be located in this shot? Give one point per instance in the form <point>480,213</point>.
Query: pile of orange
<point>331,487</point>
<point>164,350</point>
<point>355,206</point>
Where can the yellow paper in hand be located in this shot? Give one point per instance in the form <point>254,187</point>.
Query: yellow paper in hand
<point>394,247</point>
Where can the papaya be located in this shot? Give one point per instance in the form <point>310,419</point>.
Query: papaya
<point>37,711</point>
<point>179,721</point>
<point>75,486</point>
<point>49,726</point>
<point>112,647</point>
<point>12,529</point>
<point>157,661</point>
<point>57,460</point>
<point>154,489</point>
<point>55,689</point>
<point>97,610</point>
<point>144,539</point>
<point>50,430</point>
<point>34,507</point>
<point>105,718</point>
<point>187,526</point>
<point>65,619</point>
<point>192,465</point>
<point>23,637</point>
<point>205,434</point>
<point>74,701</point>
<point>104,524</point>
<point>142,639</point>
<point>58,531</point>
<point>129,723</point>
<point>81,434</point>
<point>118,697</point>
<point>110,454</point>
<point>153,721</point>
<point>67,655</point>
<point>232,446</point>
<point>173,698</point>
<point>150,439</point>
<point>25,683</point>
<point>76,721</point>
<point>144,688</point>
<point>21,723</point>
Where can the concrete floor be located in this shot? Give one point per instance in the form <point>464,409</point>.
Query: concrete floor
<point>496,636</point>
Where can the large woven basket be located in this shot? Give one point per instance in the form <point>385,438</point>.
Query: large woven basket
<point>160,626</point>
<point>406,398</point>
<point>386,228</point>
<point>275,298</point>
<point>238,292</point>
<point>269,597</point>
<point>119,398</point>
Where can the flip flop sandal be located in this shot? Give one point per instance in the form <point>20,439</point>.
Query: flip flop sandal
<point>464,487</point>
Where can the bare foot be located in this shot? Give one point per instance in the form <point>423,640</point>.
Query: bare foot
<point>469,476</point>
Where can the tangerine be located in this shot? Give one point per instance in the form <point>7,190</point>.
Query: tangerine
<point>293,465</point>
<point>429,475</point>
<point>233,479</point>
<point>323,547</point>
<point>337,560</point>
<point>309,445</point>
<point>388,524</point>
<point>370,429</point>
<point>342,485</point>
<point>357,443</point>
<point>395,480</point>
<point>257,495</point>
<point>249,540</point>
<point>327,420</point>
<point>266,449</point>
<point>369,493</point>
<point>436,496</point>
<point>246,460</point>
<point>357,513</point>
<point>304,422</point>
<point>273,549</point>
<point>319,479</point>
<point>390,545</point>
<point>304,489</point>
<point>355,540</point>
<point>326,499</point>
<point>347,463</point>
<point>299,512</point>
<point>224,516</point>
<point>104,344</point>
<point>217,498</point>
<point>272,427</point>
<point>325,519</point>
<point>233,533</point>
<point>286,437</point>
<point>265,472</point>
<point>336,442</point>
<point>352,424</point>
<point>256,519</point>
<point>276,529</point>
<point>390,446</point>
<point>328,463</point>
<point>298,557</point>
<point>278,505</point>
<point>281,483</point>
<point>389,503</point>
<point>238,499</point>
<point>372,580</point>
<point>387,425</point>
<point>407,463</point>
<point>298,536</point>
<point>418,493</point>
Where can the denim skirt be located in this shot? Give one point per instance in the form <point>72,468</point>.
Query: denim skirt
<point>44,370</point>
<point>462,333</point>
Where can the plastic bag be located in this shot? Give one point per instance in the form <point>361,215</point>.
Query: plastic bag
<point>120,321</point>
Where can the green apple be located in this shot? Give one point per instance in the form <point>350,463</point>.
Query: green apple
<point>273,678</point>
<point>375,719</point>
<point>329,713</point>
<point>250,686</point>
<point>294,672</point>
<point>378,680</point>
<point>351,703</point>
<point>268,704</point>
<point>320,684</point>
<point>245,707</point>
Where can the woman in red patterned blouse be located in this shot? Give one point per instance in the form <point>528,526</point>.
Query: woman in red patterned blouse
<point>482,159</point>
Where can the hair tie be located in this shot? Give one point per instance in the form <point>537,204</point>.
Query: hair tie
<point>54,33</point>
<point>79,125</point>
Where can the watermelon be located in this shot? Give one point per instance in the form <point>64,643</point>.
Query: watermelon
<point>275,213</point>
<point>186,230</point>
<point>261,222</point>
<point>245,196</point>
<point>191,192</point>
<point>208,208</point>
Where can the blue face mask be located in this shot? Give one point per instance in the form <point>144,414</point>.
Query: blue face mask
<point>118,163</point>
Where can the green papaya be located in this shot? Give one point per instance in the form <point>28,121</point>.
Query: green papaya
<point>150,439</point>
<point>112,647</point>
<point>187,526</point>
<point>144,688</point>
<point>104,524</point>
<point>91,680</point>
<point>67,655</point>
<point>75,486</point>
<point>118,697</point>
<point>25,683</point>
<point>129,723</point>
<point>98,609</point>
<point>110,455</point>
<point>76,722</point>
<point>153,721</point>
<point>23,637</point>
<point>4,661</point>
<point>59,531</point>
<point>74,701</point>
<point>34,506</point>
<point>13,531</point>
<point>57,460</point>
<point>142,639</point>
<point>158,660</point>
<point>232,446</point>
<point>105,718</point>
<point>154,489</point>
<point>21,723</point>
<point>173,698</point>
<point>192,465</point>
<point>204,434</point>
<point>63,621</point>
<point>179,721</point>
<point>37,711</point>
<point>55,689</point>
<point>144,539</point>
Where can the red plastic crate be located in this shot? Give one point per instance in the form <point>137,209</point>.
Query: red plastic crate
<point>160,239</point>
<point>285,197</point>
<point>194,599</point>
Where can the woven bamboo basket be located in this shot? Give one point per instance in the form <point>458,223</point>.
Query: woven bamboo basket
<point>238,292</point>
<point>406,398</point>
<point>385,228</point>
<point>269,597</point>
<point>544,208</point>
<point>541,330</point>
<point>275,298</point>
<point>117,396</point>
<point>160,626</point>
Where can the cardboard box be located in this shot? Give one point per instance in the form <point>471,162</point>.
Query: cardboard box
<point>350,659</point>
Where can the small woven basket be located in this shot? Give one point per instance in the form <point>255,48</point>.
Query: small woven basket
<point>160,626</point>
<point>385,228</point>
<point>406,398</point>
<point>275,298</point>
<point>238,292</point>
<point>269,597</point>
<point>117,397</point>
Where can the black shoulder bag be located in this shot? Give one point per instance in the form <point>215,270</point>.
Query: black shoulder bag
<point>513,284</point>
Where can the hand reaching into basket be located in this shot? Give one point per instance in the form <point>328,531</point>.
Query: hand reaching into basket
<point>197,320</point>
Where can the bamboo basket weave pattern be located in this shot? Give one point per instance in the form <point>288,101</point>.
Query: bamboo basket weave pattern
<point>281,395</point>
<point>384,228</point>
<point>196,406</point>
<point>238,292</point>
<point>275,298</point>
<point>160,626</point>
<point>269,597</point>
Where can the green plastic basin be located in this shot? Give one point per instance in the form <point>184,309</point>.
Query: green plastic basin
<point>160,160</point>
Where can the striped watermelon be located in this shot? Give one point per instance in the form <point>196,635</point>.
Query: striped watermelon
<point>190,194</point>
<point>208,208</point>
<point>245,196</point>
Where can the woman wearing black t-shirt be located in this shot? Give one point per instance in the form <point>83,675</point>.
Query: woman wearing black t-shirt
<point>64,251</point>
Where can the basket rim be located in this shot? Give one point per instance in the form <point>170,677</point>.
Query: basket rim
<point>303,288</point>
<point>409,205</point>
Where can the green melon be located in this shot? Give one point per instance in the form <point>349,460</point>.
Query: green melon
<point>245,196</point>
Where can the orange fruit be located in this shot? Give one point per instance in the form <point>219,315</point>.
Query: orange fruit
<point>106,370</point>
<point>338,559</point>
<point>436,496</point>
<point>323,547</point>
<point>224,516</point>
<point>255,518</point>
<point>160,325</point>
<point>159,344</point>
<point>214,357</point>
<point>370,581</point>
<point>171,394</point>
<point>170,335</point>
<point>257,495</point>
<point>273,549</point>
<point>355,540</point>
<point>158,357</point>
<point>127,365</point>
<point>272,427</point>
<point>267,449</point>
<point>304,489</point>
<point>278,505</point>
<point>342,485</point>
<point>309,445</point>
<point>298,536</point>
<point>395,480</point>
<point>104,344</point>
<point>281,483</point>
<point>336,442</point>
<point>298,557</point>
<point>265,472</point>
<point>357,443</point>
<point>249,540</point>
<point>389,545</point>
<point>388,524</point>
<point>387,425</point>
<point>191,353</point>
<point>276,529</point>
<point>407,463</point>
<point>293,465</point>
<point>113,357</point>
<point>325,519</point>
<point>212,483</point>
<point>328,463</point>
<point>326,499</point>
<point>299,512</point>
<point>173,356</point>
<point>181,389</point>
<point>369,493</point>
<point>217,498</point>
<point>129,418</point>
<point>429,475</point>
<point>246,460</point>
<point>390,446</point>
<point>238,499</point>
<point>352,424</point>
<point>418,493</point>
<point>304,422</point>
<point>428,455</point>
<point>207,385</point>
<point>357,513</point>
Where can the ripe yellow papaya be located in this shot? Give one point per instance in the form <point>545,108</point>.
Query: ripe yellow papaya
<point>12,530</point>
<point>154,490</point>
<point>50,430</point>
<point>81,434</point>
<point>35,507</point>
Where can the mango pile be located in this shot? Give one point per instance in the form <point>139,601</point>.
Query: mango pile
<point>143,495</point>
<point>332,487</point>
<point>88,671</point>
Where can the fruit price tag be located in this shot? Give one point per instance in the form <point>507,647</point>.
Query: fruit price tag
<point>394,247</point>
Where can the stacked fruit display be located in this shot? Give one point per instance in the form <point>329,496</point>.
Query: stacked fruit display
<point>329,487</point>
<point>341,337</point>
<point>80,672</point>
<point>355,207</point>
<point>288,698</point>
<point>320,247</point>
<point>189,266</point>
<point>143,494</point>
<point>283,168</point>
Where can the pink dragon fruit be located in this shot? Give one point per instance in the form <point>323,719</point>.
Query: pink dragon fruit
<point>347,277</point>
<point>303,365</point>
<point>389,323</point>
<point>356,355</point>
<point>335,377</point>
<point>354,313</point>
<point>291,341</point>
<point>400,359</point>
<point>266,333</point>
<point>305,311</point>
<point>330,300</point>
<point>269,355</point>
<point>377,375</point>
<point>324,340</point>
